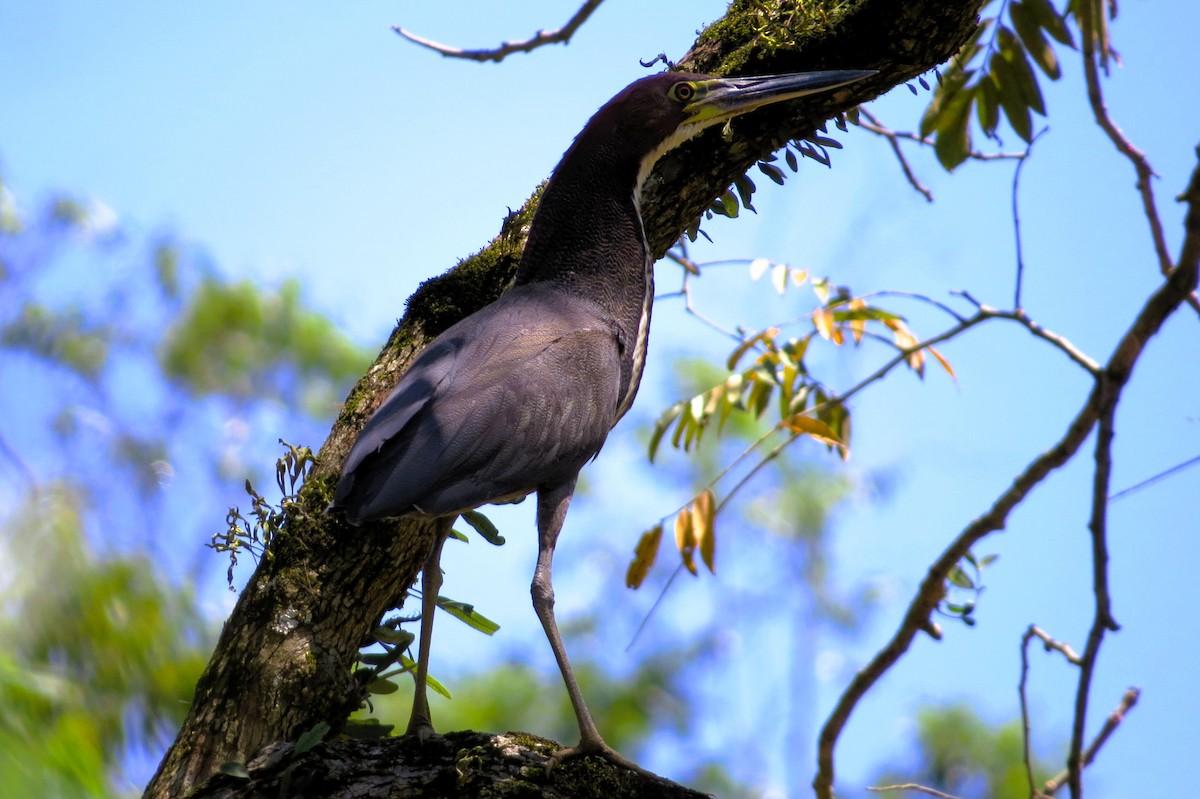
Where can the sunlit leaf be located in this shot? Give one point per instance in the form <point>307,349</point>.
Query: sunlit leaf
<point>940,359</point>
<point>779,277</point>
<point>815,428</point>
<point>703,515</point>
<point>960,578</point>
<point>644,555</point>
<point>468,615</point>
<point>685,539</point>
<point>823,322</point>
<point>1035,42</point>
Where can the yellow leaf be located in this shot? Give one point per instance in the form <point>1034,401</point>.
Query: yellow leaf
<point>800,423</point>
<point>858,326</point>
<point>779,276</point>
<point>916,362</point>
<point>767,335</point>
<point>799,276</point>
<point>704,511</point>
<point>643,557</point>
<point>945,364</point>
<point>823,321</point>
<point>685,539</point>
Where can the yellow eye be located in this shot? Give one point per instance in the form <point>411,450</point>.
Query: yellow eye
<point>683,92</point>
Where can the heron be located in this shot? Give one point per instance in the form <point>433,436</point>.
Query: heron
<point>517,397</point>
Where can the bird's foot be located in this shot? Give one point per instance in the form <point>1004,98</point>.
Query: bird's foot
<point>599,749</point>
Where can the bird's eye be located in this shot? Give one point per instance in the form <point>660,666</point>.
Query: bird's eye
<point>684,92</point>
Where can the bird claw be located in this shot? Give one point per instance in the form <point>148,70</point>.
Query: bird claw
<point>599,749</point>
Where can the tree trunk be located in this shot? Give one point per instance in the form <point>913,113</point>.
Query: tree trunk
<point>284,660</point>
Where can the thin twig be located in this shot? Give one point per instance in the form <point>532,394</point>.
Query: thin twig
<point>912,786</point>
<point>539,39</point>
<point>1050,644</point>
<point>1128,700</point>
<point>876,126</point>
<point>1149,481</point>
<point>1016,215</point>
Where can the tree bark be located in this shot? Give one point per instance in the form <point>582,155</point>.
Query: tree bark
<point>463,765</point>
<point>284,659</point>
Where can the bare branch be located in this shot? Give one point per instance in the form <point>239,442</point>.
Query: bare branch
<point>912,786</point>
<point>1051,645</point>
<point>542,37</point>
<point>1128,700</point>
<point>1157,308</point>
<point>893,138</point>
<point>1141,165</point>
<point>1016,216</point>
<point>1102,620</point>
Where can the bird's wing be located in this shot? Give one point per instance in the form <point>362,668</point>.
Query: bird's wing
<point>519,394</point>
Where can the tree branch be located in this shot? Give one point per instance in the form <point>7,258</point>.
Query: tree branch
<point>1173,292</point>
<point>1128,700</point>
<point>497,54</point>
<point>1141,165</point>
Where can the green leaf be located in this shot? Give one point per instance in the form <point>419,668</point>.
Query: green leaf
<point>745,189</point>
<point>960,578</point>
<point>381,687</point>
<point>367,729</point>
<point>1022,71</point>
<point>379,659</point>
<point>987,106</point>
<point>431,682</point>
<point>953,143</point>
<point>1011,98</point>
<point>771,171</point>
<point>1035,42</point>
<point>468,615</point>
<point>312,737</point>
<point>235,769</point>
<point>1044,14</point>
<point>483,525</point>
<point>387,635</point>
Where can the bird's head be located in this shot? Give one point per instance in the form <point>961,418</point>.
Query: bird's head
<point>658,113</point>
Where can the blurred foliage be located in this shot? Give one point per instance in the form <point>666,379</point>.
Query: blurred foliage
<point>129,364</point>
<point>100,656</point>
<point>236,339</point>
<point>959,753</point>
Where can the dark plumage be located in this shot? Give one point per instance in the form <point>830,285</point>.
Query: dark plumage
<point>517,397</point>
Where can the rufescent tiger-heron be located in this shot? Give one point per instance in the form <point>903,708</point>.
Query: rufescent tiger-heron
<point>518,396</point>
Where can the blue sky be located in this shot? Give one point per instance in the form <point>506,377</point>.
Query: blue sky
<point>309,141</point>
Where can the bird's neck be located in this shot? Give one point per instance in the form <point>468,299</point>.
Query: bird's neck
<point>587,236</point>
<point>587,239</point>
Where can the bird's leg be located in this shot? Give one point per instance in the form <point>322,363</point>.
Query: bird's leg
<point>419,723</point>
<point>551,511</point>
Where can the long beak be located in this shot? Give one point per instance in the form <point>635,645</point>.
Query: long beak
<point>724,98</point>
